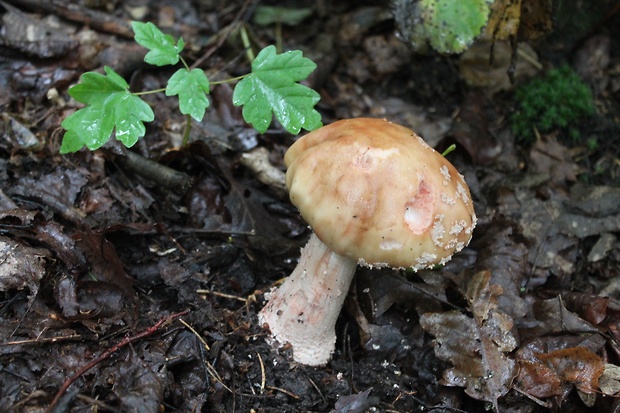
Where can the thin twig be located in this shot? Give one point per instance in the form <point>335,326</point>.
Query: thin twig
<point>210,369</point>
<point>202,340</point>
<point>42,340</point>
<point>106,354</point>
<point>262,373</point>
<point>281,390</point>
<point>223,295</point>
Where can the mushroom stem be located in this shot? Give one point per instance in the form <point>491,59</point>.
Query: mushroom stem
<point>304,310</point>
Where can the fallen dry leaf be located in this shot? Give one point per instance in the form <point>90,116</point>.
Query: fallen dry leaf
<point>476,346</point>
<point>478,69</point>
<point>609,382</point>
<point>551,158</point>
<point>21,266</point>
<point>504,19</point>
<point>552,374</point>
<point>551,317</point>
<point>591,308</point>
<point>503,252</point>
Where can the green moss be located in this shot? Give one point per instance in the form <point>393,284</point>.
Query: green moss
<point>555,101</point>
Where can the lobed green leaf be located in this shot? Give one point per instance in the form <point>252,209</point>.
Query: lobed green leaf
<point>288,65</point>
<point>109,108</point>
<point>163,50</point>
<point>192,87</point>
<point>94,87</point>
<point>271,89</point>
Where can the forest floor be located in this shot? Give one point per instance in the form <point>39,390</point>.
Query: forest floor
<point>123,292</point>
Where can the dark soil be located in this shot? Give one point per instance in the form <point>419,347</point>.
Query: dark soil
<point>141,282</point>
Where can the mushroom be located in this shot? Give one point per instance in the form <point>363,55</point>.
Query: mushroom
<point>375,194</point>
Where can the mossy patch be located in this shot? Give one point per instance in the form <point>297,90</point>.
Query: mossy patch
<point>554,101</point>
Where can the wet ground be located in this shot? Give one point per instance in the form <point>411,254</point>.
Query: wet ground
<point>130,281</point>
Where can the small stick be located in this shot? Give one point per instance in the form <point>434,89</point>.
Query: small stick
<point>42,340</point>
<point>161,174</point>
<point>223,295</point>
<point>106,354</point>
<point>281,390</point>
<point>262,373</point>
<point>198,336</point>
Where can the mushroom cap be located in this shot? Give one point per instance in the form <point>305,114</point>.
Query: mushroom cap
<point>375,192</point>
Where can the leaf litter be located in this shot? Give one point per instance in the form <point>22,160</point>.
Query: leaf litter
<point>93,253</point>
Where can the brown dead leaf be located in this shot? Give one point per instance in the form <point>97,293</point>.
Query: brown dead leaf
<point>552,159</point>
<point>527,20</point>
<point>482,295</point>
<point>137,381</point>
<point>479,365</point>
<point>476,346</point>
<point>553,373</point>
<point>486,64</point>
<point>540,217</point>
<point>355,403</point>
<point>382,289</point>
<point>595,201</point>
<point>104,262</point>
<point>504,19</point>
<point>609,382</point>
<point>591,308</point>
<point>88,299</point>
<point>21,266</point>
<point>33,226</point>
<point>576,365</point>
<point>503,252</point>
<point>551,317</point>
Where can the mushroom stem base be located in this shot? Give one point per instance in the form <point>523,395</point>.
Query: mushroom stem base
<point>304,310</point>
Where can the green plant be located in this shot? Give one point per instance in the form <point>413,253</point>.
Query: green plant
<point>554,101</point>
<point>270,89</point>
<point>448,26</point>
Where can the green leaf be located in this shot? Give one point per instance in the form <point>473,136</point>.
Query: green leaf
<point>163,50</point>
<point>109,107</point>
<point>71,142</point>
<point>94,87</point>
<point>130,112</point>
<point>267,15</point>
<point>448,26</point>
<point>271,89</point>
<point>192,87</point>
<point>452,26</point>
<point>92,125</point>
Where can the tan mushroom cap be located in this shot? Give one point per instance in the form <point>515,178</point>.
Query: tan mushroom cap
<point>375,192</point>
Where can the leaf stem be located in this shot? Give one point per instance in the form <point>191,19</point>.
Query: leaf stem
<point>149,92</point>
<point>184,62</point>
<point>187,129</point>
<point>279,36</point>
<point>232,79</point>
<point>246,43</point>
